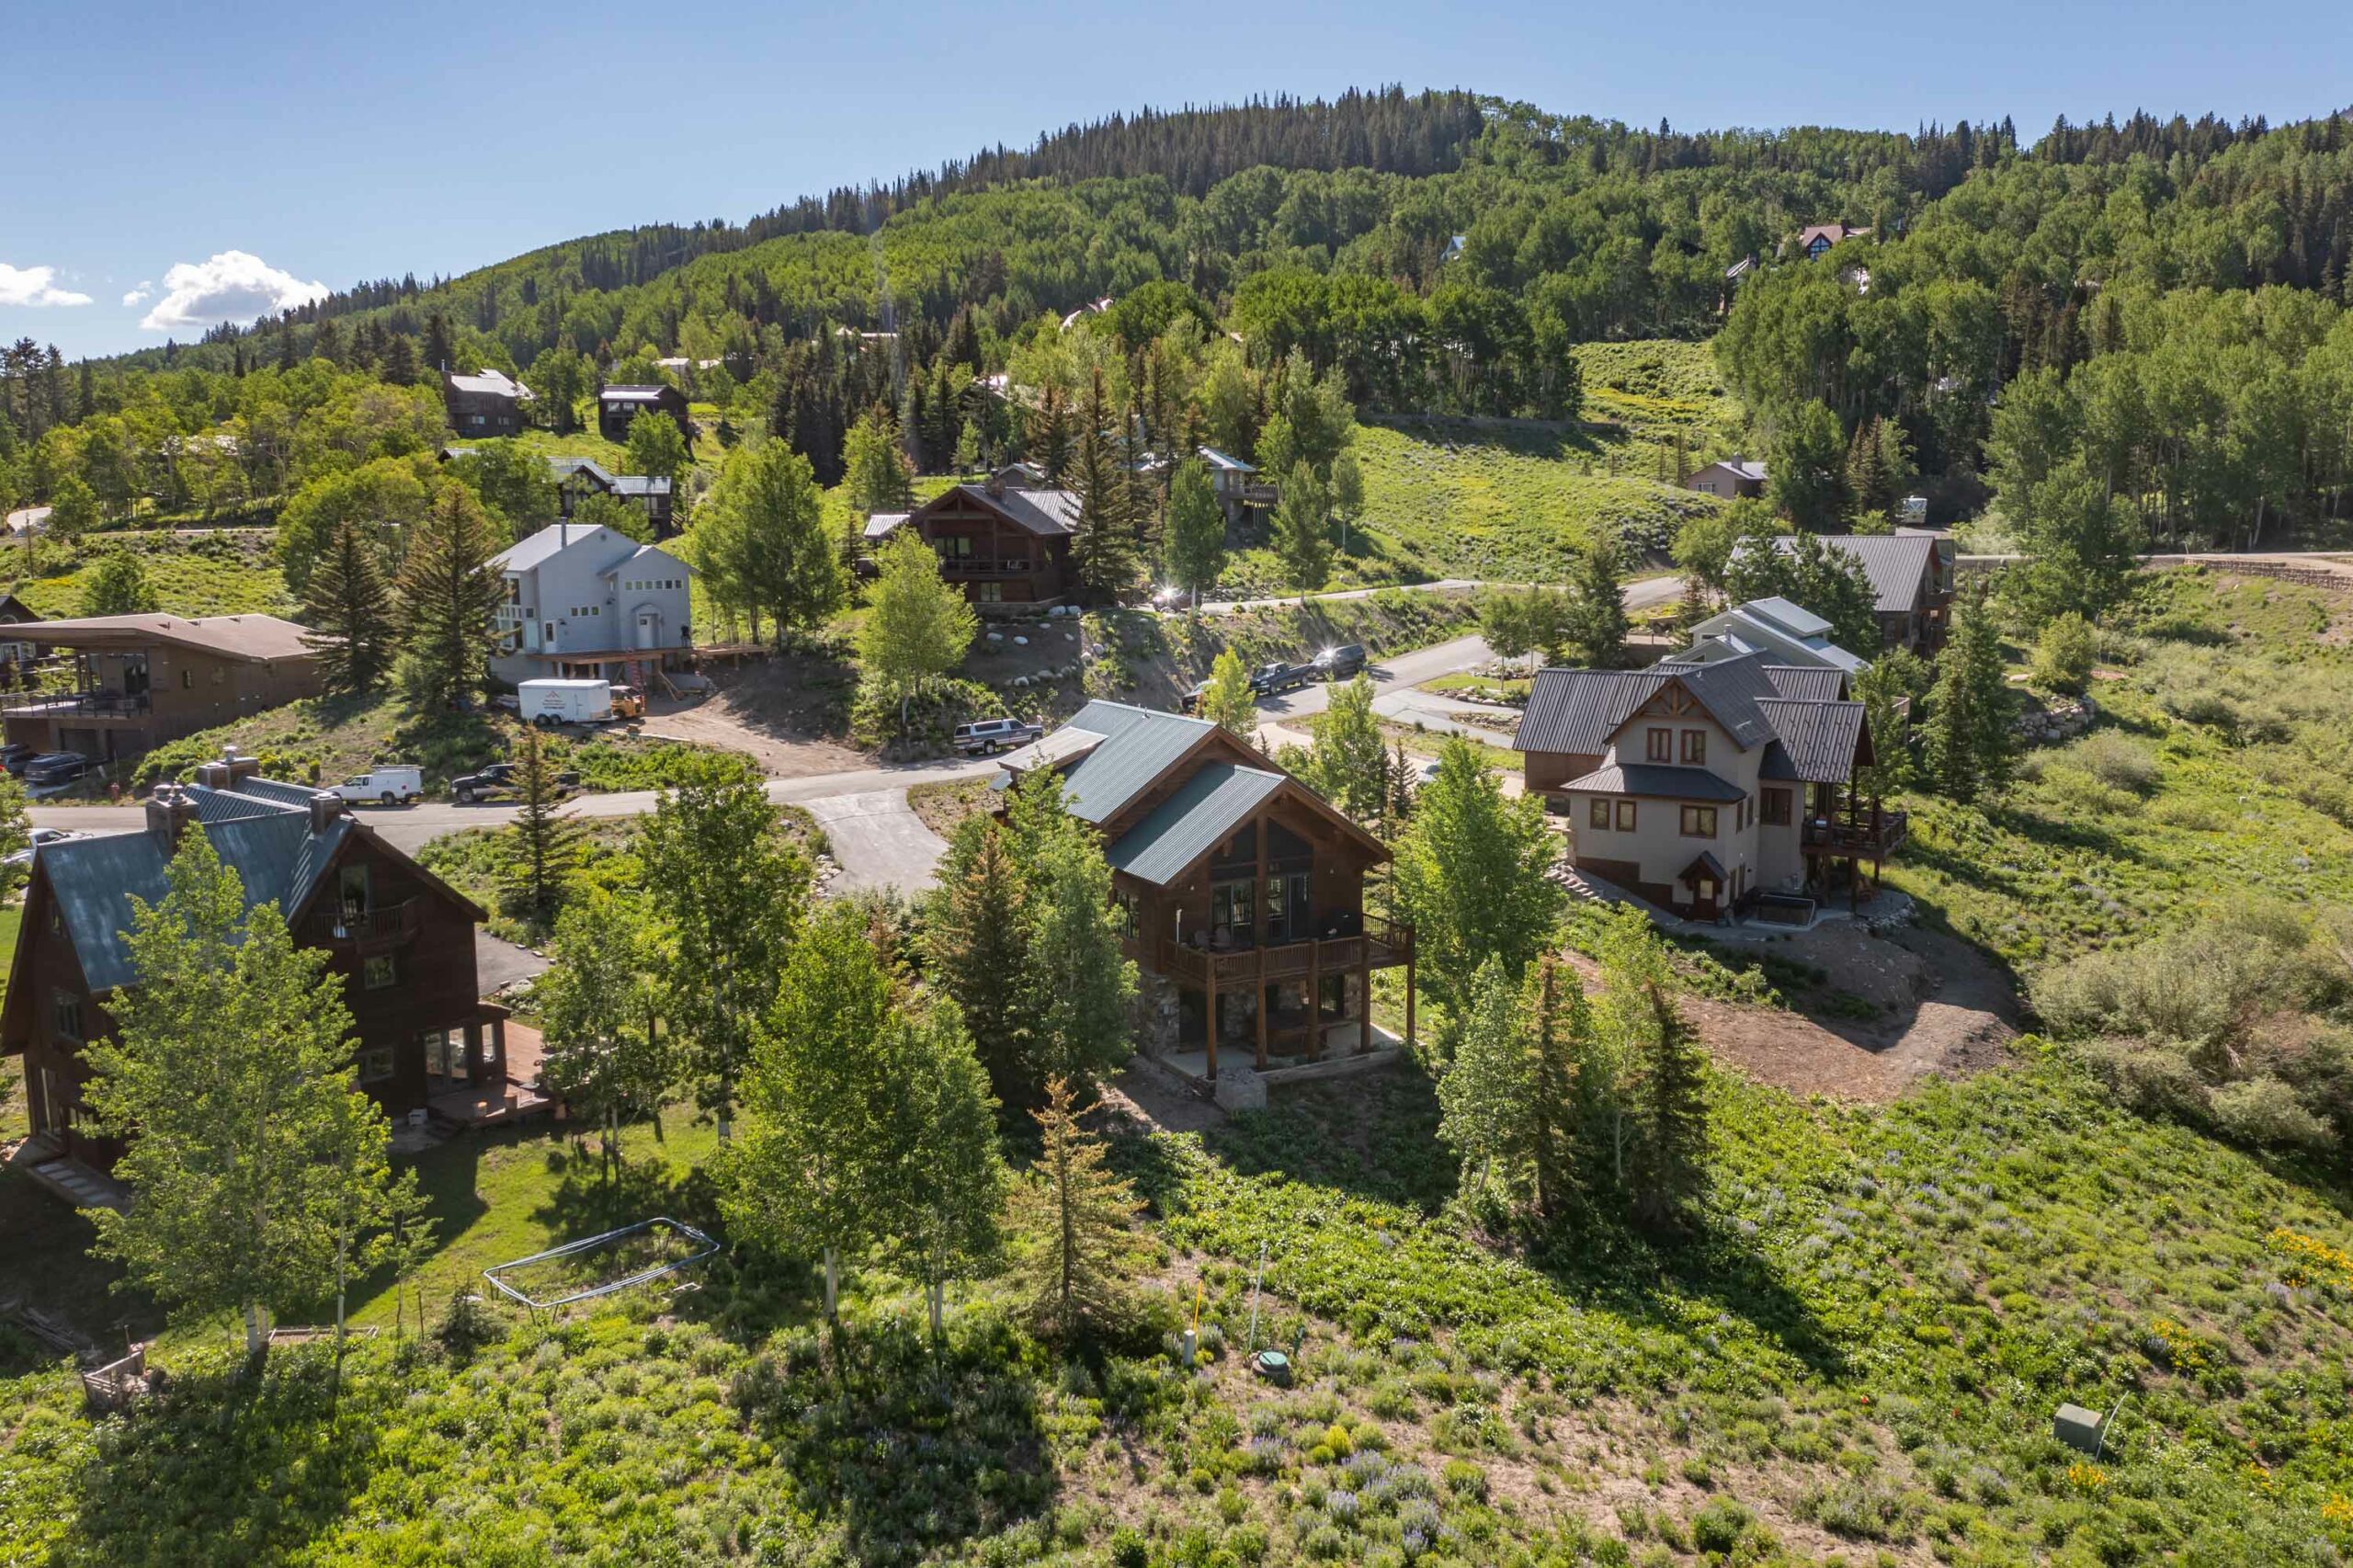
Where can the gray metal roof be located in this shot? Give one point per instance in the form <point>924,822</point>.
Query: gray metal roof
<point>558,538</point>
<point>1820,739</point>
<point>1817,683</point>
<point>1200,815</point>
<point>883,523</point>
<point>1576,710</point>
<point>1788,616</point>
<point>1898,565</point>
<point>275,854</point>
<point>632,394</point>
<point>1216,459</point>
<point>1043,512</point>
<point>1139,745</point>
<point>1657,778</point>
<point>488,382</point>
<point>1767,626</point>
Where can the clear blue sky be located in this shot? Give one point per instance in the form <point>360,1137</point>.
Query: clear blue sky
<point>263,146</point>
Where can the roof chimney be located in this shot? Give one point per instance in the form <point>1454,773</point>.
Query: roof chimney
<point>325,806</point>
<point>169,811</point>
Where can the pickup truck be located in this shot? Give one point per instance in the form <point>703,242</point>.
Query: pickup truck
<point>1268,679</point>
<point>499,777</point>
<point>985,735</point>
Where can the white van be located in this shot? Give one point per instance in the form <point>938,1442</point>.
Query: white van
<point>391,784</point>
<point>565,702</point>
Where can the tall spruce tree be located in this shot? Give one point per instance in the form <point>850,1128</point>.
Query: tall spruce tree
<point>450,594</point>
<point>348,608</point>
<point>975,945</point>
<point>1076,1222</point>
<point>1968,727</point>
<point>1593,626</point>
<point>543,843</point>
<point>1103,546</point>
<point>1667,1164</point>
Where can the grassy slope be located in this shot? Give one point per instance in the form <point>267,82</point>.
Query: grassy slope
<point>224,575</point>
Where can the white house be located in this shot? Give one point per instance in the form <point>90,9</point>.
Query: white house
<point>1783,633</point>
<point>589,602</point>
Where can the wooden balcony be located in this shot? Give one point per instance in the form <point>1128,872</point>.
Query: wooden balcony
<point>1874,835</point>
<point>368,931</point>
<point>1382,943</point>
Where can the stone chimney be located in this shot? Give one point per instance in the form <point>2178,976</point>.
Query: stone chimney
<point>225,773</point>
<point>169,811</point>
<point>325,806</point>
<point>996,485</point>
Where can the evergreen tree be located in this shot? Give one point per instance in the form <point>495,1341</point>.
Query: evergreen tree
<point>1667,1167</point>
<point>1473,875</point>
<point>916,626</point>
<point>348,610</point>
<point>1594,626</point>
<point>975,943</point>
<point>874,466</point>
<point>400,365</point>
<point>1228,700</point>
<point>1968,728</point>
<point>1196,530</point>
<point>729,888</point>
<point>1887,687</point>
<point>600,1010</point>
<point>951,1183</point>
<point>1076,1221</point>
<point>1303,531</point>
<point>1080,986</point>
<point>255,1156</point>
<point>1103,546</point>
<point>440,351</point>
<point>542,845</point>
<point>1050,433</point>
<point>118,585</point>
<point>450,594</point>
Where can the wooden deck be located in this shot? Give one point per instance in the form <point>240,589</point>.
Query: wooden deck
<point>495,1104</point>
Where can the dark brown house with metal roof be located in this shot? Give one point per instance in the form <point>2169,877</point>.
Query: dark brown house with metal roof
<point>114,686</point>
<point>1704,788</point>
<point>401,939</point>
<point>488,403</point>
<point>1004,543</point>
<point>1237,885</point>
<point>617,405</point>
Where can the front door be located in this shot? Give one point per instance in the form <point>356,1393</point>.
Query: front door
<point>1703,899</point>
<point>1287,914</point>
<point>649,629</point>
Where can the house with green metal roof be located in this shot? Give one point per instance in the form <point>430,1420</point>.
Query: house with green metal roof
<point>1239,888</point>
<point>400,939</point>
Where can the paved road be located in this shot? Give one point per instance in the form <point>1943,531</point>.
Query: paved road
<point>864,810</point>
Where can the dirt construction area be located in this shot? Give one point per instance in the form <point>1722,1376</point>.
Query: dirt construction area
<point>778,711</point>
<point>1891,1010</point>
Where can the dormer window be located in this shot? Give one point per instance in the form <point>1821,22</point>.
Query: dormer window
<point>1659,746</point>
<point>1695,748</point>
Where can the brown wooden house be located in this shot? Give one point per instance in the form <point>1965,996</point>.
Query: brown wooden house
<point>487,403</point>
<point>1004,543</point>
<point>617,405</point>
<point>1238,886</point>
<point>401,940</point>
<point>114,686</point>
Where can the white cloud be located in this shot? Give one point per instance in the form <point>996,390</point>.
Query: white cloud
<point>138,294</point>
<point>32,285</point>
<point>231,287</point>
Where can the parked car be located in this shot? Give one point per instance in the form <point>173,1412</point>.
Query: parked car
<point>15,756</point>
<point>498,776</point>
<point>985,735</point>
<point>1268,679</point>
<point>1340,662</point>
<point>56,768</point>
<point>389,785</point>
<point>41,836</point>
<point>1191,702</point>
<point>1425,772</point>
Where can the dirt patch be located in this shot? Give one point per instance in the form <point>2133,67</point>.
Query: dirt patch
<point>944,803</point>
<point>1139,1096</point>
<point>787,711</point>
<point>1890,1012</point>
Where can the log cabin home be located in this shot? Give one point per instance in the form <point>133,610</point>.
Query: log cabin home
<point>400,939</point>
<point>1004,542</point>
<point>1240,890</point>
<point>1710,789</point>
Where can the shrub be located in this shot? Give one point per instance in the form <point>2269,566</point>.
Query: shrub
<point>2266,1111</point>
<point>1464,1479</point>
<point>1128,1548</point>
<point>1719,1526</point>
<point>2064,654</point>
<point>2116,760</point>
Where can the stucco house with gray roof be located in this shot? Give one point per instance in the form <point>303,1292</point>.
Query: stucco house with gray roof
<point>1785,633</point>
<point>591,603</point>
<point>1702,787</point>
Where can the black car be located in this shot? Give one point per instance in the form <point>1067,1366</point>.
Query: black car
<point>498,776</point>
<point>55,767</point>
<point>16,756</point>
<point>1340,662</point>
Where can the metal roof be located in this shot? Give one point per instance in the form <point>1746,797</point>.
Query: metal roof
<point>1750,628</point>
<point>632,394</point>
<point>1200,815</point>
<point>883,523</point>
<point>1656,779</point>
<point>1820,739</point>
<point>1576,711</point>
<point>253,638</point>
<point>1139,745</point>
<point>1898,565</point>
<point>488,382</point>
<point>1043,512</point>
<point>1216,459</point>
<point>1064,744</point>
<point>277,856</point>
<point>1817,683</point>
<point>557,539</point>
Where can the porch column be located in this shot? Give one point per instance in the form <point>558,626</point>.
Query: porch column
<point>1260,1010</point>
<point>473,1050</point>
<point>498,1047</point>
<point>1409,994</point>
<point>1209,991</point>
<point>1314,998</point>
<point>1364,990</point>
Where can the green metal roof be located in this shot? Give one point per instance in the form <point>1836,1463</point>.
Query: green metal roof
<point>1138,746</point>
<point>1199,817</point>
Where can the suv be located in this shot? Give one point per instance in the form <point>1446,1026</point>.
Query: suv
<point>1268,679</point>
<point>498,776</point>
<point>55,769</point>
<point>16,756</point>
<point>1340,662</point>
<point>984,735</point>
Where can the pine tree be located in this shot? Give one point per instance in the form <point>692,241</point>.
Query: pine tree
<point>1103,544</point>
<point>1593,622</point>
<point>450,594</point>
<point>348,609</point>
<point>1050,433</point>
<point>874,467</point>
<point>1076,1221</point>
<point>1196,530</point>
<point>1303,531</point>
<point>1968,726</point>
<point>975,944</point>
<point>542,845</point>
<point>1668,1106</point>
<point>1080,986</point>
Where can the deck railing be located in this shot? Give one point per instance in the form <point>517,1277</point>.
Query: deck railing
<point>366,927</point>
<point>1880,833</point>
<point>1381,944</point>
<point>76,704</point>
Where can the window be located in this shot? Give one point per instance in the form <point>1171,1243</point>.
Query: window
<point>989,593</point>
<point>351,886</point>
<point>188,678</point>
<point>1600,816</point>
<point>65,1015</point>
<point>1776,808</point>
<point>1625,816</point>
<point>1660,745</point>
<point>1699,822</point>
<point>1123,904</point>
<point>220,673</point>
<point>376,974</point>
<point>1695,748</point>
<point>375,1064</point>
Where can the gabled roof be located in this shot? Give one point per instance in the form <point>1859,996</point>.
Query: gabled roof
<point>639,554</point>
<point>1659,779</point>
<point>1898,565</point>
<point>1139,745</point>
<point>1576,711</point>
<point>1216,459</point>
<point>1201,814</point>
<point>1739,467</point>
<point>1818,741</point>
<point>254,638</point>
<point>1049,514</point>
<point>560,538</point>
<point>1816,683</point>
<point>633,394</point>
<point>1781,630</point>
<point>883,523</point>
<point>492,384</point>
